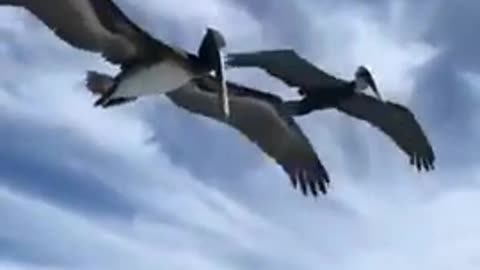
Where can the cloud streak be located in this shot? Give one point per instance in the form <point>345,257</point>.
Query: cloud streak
<point>82,188</point>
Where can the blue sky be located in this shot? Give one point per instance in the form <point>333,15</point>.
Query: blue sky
<point>149,186</point>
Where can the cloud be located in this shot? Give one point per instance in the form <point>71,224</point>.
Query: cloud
<point>150,186</point>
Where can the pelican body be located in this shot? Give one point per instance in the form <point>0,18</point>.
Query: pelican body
<point>264,120</point>
<point>148,66</point>
<point>321,90</point>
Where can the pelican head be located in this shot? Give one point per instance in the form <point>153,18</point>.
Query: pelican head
<point>217,42</point>
<point>364,80</point>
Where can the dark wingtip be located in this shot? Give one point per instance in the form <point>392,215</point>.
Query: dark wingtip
<point>236,60</point>
<point>99,102</point>
<point>423,162</point>
<point>311,181</point>
<point>302,92</point>
<point>229,60</point>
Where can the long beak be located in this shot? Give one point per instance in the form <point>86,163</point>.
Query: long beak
<point>374,88</point>
<point>223,93</point>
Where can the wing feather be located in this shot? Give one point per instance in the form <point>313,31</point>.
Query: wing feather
<point>397,122</point>
<point>285,65</point>
<point>94,25</point>
<point>259,117</point>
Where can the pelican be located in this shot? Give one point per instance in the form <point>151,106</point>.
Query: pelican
<point>264,120</point>
<point>148,66</point>
<point>321,90</point>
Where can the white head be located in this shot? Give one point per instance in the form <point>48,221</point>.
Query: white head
<point>364,80</point>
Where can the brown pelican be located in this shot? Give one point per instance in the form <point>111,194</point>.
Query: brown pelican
<point>323,91</point>
<point>148,65</point>
<point>262,118</point>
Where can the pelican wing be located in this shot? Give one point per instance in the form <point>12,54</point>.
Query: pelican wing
<point>397,122</point>
<point>260,117</point>
<point>94,25</point>
<point>286,65</point>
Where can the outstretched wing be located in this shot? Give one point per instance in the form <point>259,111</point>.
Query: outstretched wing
<point>94,25</point>
<point>260,117</point>
<point>286,65</point>
<point>397,122</point>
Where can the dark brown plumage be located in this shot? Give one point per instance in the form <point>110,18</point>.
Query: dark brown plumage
<point>324,91</point>
<point>100,26</point>
<point>262,118</point>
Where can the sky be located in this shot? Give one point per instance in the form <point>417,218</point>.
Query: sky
<point>151,186</point>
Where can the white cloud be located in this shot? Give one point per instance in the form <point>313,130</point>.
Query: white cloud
<point>353,37</point>
<point>23,266</point>
<point>393,218</point>
<point>472,83</point>
<point>84,243</point>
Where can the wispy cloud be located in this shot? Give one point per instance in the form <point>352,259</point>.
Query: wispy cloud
<point>150,186</point>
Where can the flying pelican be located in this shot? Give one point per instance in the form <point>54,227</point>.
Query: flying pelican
<point>321,90</point>
<point>148,65</point>
<point>263,119</point>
